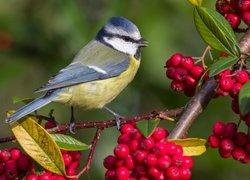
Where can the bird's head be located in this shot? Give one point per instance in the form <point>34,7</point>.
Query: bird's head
<point>122,35</point>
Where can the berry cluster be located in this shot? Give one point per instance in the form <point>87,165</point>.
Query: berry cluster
<point>184,73</point>
<point>230,83</point>
<point>230,142</point>
<point>71,160</point>
<point>137,157</point>
<point>14,164</point>
<point>234,11</point>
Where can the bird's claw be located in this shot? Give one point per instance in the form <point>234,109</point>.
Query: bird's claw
<point>72,128</point>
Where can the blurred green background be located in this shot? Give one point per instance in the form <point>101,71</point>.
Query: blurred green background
<point>38,38</point>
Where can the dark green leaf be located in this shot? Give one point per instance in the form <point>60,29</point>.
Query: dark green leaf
<point>215,34</point>
<point>222,64</point>
<point>224,25</point>
<point>244,99</point>
<point>69,143</point>
<point>147,127</point>
<point>17,99</point>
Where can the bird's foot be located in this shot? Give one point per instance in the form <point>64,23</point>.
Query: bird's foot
<point>72,128</point>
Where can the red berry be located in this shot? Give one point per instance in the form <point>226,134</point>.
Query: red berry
<point>168,63</point>
<point>159,134</point>
<point>224,154</point>
<point>197,71</point>
<point>32,177</point>
<point>187,63</point>
<point>225,83</point>
<point>241,76</point>
<point>1,168</point>
<point>177,160</point>
<point>147,143</point>
<point>235,89</point>
<point>109,162</point>
<point>234,4</point>
<point>240,139</point>
<point>173,173</point>
<point>177,86</point>
<point>246,159</point>
<point>233,19</point>
<point>247,148</point>
<point>246,17</point>
<point>59,177</point>
<point>67,159</point>
<point>223,54</point>
<point>176,59</point>
<point>187,162</point>
<point>163,162</point>
<point>49,125</point>
<point>134,145</point>
<point>24,163</point>
<point>230,130</point>
<point>76,155</point>
<point>122,173</point>
<point>159,149</point>
<point>126,128</point>
<point>141,169</point>
<point>129,163</point>
<point>124,139</point>
<point>235,105</point>
<point>227,145</point>
<point>15,153</point>
<point>185,173</point>
<point>10,173</point>
<point>244,5</point>
<point>219,128</point>
<point>119,163</point>
<point>110,175</point>
<point>75,165</point>
<point>170,148</point>
<point>154,173</point>
<point>45,176</point>
<point>180,74</point>
<point>213,141</point>
<point>238,154</point>
<point>225,73</point>
<point>135,134</point>
<point>4,156</point>
<point>150,160</point>
<point>190,82</point>
<point>179,150</point>
<point>170,72</point>
<point>121,151</point>
<point>70,172</point>
<point>247,119</point>
<point>222,6</point>
<point>140,155</point>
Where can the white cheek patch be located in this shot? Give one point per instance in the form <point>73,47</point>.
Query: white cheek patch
<point>122,46</point>
<point>97,69</point>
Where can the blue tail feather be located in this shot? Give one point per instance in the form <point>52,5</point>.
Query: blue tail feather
<point>31,107</point>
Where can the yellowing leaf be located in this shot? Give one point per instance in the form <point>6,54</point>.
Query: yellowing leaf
<point>191,146</point>
<point>195,2</point>
<point>38,144</point>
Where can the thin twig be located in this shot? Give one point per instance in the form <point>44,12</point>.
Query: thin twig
<point>91,153</point>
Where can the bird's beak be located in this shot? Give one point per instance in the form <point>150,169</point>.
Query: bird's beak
<point>143,43</point>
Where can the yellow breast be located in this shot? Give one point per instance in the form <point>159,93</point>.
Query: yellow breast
<point>96,94</point>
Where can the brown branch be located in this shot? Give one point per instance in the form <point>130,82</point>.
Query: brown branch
<point>105,124</point>
<point>199,102</point>
<point>91,153</point>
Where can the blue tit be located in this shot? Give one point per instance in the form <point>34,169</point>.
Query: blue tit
<point>97,74</point>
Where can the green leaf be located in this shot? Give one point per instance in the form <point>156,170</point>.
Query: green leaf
<point>191,146</point>
<point>147,127</point>
<point>221,64</point>
<point>214,31</point>
<point>69,143</point>
<point>244,99</point>
<point>17,99</point>
<point>224,25</point>
<point>38,144</point>
<point>195,2</point>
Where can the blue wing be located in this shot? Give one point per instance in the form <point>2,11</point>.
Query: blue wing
<point>77,73</point>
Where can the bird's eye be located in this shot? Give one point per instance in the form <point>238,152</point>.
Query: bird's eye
<point>126,38</point>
